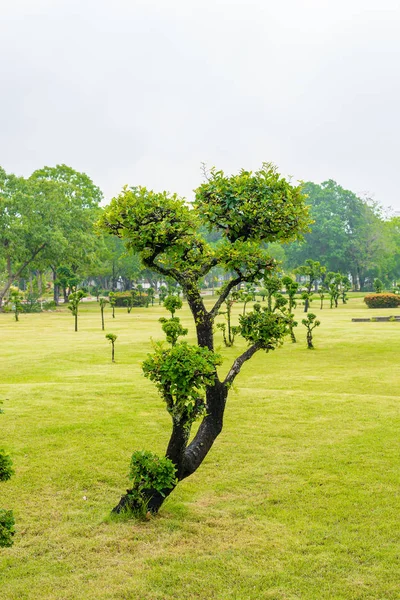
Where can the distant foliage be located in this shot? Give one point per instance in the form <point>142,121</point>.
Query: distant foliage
<point>382,300</point>
<point>378,286</point>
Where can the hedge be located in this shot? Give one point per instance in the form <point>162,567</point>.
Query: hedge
<point>121,297</point>
<point>382,300</point>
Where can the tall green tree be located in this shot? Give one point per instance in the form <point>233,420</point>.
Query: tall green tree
<point>347,234</point>
<point>77,245</point>
<point>248,209</point>
<point>46,220</point>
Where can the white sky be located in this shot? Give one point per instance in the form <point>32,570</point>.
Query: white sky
<point>142,91</point>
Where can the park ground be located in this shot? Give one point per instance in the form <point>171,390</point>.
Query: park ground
<point>298,499</point>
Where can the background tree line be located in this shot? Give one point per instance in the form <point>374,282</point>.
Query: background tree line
<point>47,233</point>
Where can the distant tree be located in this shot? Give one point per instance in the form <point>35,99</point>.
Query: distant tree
<point>112,300</point>
<point>172,304</point>
<point>313,272</point>
<point>272,284</point>
<point>310,323</point>
<point>321,297</point>
<point>112,339</point>
<point>16,297</point>
<point>248,209</point>
<point>378,286</point>
<point>349,234</point>
<point>291,288</point>
<point>229,331</point>
<point>103,303</point>
<point>74,300</point>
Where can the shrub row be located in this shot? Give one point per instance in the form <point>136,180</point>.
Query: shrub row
<point>382,300</point>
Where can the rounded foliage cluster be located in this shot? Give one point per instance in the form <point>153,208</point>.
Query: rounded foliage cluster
<point>265,328</point>
<point>6,469</point>
<point>382,300</point>
<point>259,205</point>
<point>151,472</point>
<point>182,374</point>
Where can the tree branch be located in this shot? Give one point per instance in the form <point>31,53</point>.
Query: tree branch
<point>224,294</point>
<point>239,361</point>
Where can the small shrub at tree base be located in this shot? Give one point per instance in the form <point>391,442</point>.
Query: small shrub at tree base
<point>6,528</point>
<point>6,469</point>
<point>149,473</point>
<point>6,516</point>
<point>382,300</point>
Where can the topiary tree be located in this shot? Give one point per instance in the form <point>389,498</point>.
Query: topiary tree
<point>344,288</point>
<point>248,209</point>
<point>112,299</point>
<point>310,323</point>
<point>172,304</point>
<point>291,288</point>
<point>229,331</point>
<point>111,337</point>
<point>103,303</point>
<point>74,301</point>
<point>378,286</point>
<point>313,271</point>
<point>16,297</point>
<point>6,516</point>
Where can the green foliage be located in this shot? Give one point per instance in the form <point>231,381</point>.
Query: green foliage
<point>74,300</point>
<point>261,205</point>
<point>272,284</point>
<point>181,374</point>
<point>378,286</point>
<point>150,474</point>
<point>49,305</point>
<point>131,298</point>
<point>6,469</point>
<point>16,297</point>
<point>172,329</point>
<point>172,304</point>
<point>349,234</point>
<point>6,528</point>
<point>311,322</point>
<point>6,516</point>
<point>387,300</point>
<point>111,337</point>
<point>265,328</point>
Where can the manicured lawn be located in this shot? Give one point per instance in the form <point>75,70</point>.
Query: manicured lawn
<point>298,499</point>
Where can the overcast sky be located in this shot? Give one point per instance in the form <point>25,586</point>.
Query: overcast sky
<point>140,92</point>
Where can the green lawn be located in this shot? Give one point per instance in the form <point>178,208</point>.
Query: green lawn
<point>298,499</point>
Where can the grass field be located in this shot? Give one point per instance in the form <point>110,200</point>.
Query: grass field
<point>298,499</point>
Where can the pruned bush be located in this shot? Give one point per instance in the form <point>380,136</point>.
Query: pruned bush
<point>382,300</point>
<point>138,300</point>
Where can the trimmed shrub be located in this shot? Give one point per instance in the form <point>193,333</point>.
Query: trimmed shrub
<point>120,298</point>
<point>382,300</point>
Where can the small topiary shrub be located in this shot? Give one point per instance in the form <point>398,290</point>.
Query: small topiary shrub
<point>382,300</point>
<point>149,472</point>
